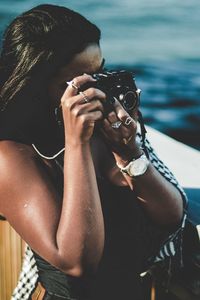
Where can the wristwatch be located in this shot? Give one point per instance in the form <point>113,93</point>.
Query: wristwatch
<point>136,167</point>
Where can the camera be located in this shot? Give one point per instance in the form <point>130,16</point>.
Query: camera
<point>118,85</point>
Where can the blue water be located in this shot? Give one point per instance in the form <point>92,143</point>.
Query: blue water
<point>160,42</point>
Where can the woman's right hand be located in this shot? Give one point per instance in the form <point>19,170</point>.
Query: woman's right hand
<point>80,115</point>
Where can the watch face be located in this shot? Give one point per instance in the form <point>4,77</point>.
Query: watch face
<point>139,166</point>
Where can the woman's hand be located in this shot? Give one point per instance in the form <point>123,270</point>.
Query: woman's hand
<point>81,110</point>
<point>120,129</point>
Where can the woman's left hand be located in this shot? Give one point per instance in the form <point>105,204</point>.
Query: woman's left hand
<point>119,129</point>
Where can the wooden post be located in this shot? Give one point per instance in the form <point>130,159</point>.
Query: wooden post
<point>11,252</point>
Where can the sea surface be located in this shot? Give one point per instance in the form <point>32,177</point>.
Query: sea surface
<point>160,42</point>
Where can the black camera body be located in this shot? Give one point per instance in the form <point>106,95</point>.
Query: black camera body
<point>118,85</point>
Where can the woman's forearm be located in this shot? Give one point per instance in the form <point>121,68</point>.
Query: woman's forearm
<point>80,234</point>
<point>161,200</point>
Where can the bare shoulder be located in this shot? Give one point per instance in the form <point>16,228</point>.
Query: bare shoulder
<point>20,170</point>
<point>11,150</point>
<point>19,161</point>
<point>15,160</point>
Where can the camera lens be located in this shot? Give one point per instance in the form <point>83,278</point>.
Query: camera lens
<point>130,100</point>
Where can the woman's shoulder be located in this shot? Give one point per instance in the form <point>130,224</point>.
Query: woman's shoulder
<point>14,159</point>
<point>21,160</point>
<point>15,155</point>
<point>10,150</point>
<point>24,176</point>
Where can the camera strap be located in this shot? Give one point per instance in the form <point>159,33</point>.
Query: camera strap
<point>143,132</point>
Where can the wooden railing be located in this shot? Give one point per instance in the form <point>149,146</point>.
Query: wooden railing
<point>11,252</point>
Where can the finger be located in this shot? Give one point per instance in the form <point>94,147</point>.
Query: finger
<point>92,106</point>
<point>112,117</point>
<point>70,102</point>
<point>115,121</point>
<point>74,85</point>
<point>118,107</point>
<point>123,116</point>
<point>124,136</point>
<point>93,116</point>
<point>83,97</point>
<point>108,129</point>
<point>124,130</point>
<point>116,124</point>
<point>93,93</point>
<point>122,113</point>
<point>129,123</point>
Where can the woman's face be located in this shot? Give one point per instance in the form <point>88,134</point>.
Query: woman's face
<point>88,61</point>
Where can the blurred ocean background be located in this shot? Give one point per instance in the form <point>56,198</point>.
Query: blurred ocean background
<point>159,41</point>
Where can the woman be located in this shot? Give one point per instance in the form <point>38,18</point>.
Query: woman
<point>93,224</point>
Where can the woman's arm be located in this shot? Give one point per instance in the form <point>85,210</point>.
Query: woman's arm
<point>68,232</point>
<point>159,197</point>
<point>81,225</point>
